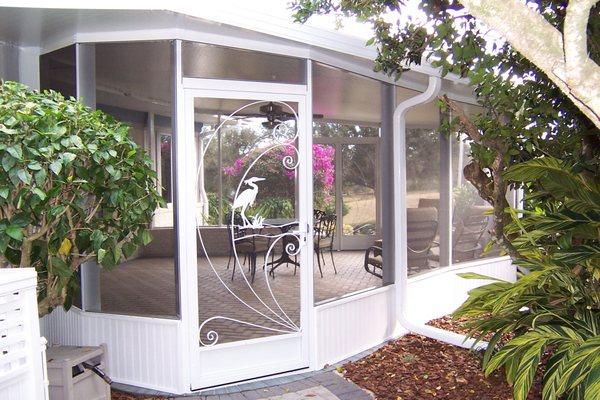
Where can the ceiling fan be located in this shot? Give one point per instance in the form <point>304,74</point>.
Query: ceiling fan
<point>275,115</point>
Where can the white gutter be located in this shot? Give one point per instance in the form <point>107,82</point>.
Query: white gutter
<point>400,243</point>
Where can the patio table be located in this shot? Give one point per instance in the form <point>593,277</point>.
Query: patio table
<point>284,225</point>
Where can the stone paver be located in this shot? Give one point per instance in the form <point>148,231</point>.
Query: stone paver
<point>146,286</point>
<point>316,393</point>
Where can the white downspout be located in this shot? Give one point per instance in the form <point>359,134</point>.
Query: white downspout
<point>400,256</point>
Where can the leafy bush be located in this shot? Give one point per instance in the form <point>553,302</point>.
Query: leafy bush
<point>73,187</point>
<point>464,197</point>
<point>213,208</point>
<point>274,207</point>
<point>281,180</point>
<point>554,309</point>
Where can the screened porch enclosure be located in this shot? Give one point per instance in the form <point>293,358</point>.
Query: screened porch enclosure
<point>350,167</point>
<point>274,240</point>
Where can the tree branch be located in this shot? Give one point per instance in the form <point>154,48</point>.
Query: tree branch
<point>468,126</point>
<point>577,61</point>
<point>537,40</point>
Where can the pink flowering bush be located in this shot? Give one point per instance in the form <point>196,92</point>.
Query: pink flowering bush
<point>279,187</point>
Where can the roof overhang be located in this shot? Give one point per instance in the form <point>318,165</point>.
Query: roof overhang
<point>34,23</point>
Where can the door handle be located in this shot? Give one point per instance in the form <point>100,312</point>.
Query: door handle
<point>304,232</point>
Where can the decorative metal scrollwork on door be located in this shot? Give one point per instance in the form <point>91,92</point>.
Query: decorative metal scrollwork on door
<point>245,226</point>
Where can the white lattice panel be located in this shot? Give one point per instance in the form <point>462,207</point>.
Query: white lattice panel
<point>21,361</point>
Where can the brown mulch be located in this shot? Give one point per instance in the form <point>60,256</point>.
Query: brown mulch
<point>414,367</point>
<point>458,325</point>
<point>450,324</point>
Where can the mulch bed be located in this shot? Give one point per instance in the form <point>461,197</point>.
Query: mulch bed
<point>414,367</point>
<point>450,324</point>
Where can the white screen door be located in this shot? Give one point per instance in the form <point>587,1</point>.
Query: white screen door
<point>251,209</point>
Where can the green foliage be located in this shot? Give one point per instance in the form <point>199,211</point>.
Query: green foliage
<point>73,187</point>
<point>464,197</point>
<point>274,207</point>
<point>213,208</point>
<point>523,114</point>
<point>554,309</point>
<point>269,207</point>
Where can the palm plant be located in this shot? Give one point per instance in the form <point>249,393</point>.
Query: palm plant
<point>549,319</point>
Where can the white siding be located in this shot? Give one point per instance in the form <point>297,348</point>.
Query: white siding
<point>357,323</point>
<point>349,326</point>
<point>438,293</point>
<point>141,351</point>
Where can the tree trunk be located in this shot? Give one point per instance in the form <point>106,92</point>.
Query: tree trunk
<point>52,300</point>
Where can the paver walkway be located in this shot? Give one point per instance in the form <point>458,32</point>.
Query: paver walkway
<point>317,385</point>
<point>325,385</point>
<point>318,392</point>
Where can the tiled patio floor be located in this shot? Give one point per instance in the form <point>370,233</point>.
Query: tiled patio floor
<point>236,309</point>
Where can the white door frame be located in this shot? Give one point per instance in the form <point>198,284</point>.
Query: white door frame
<point>248,359</point>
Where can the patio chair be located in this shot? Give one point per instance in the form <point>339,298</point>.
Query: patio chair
<point>426,203</point>
<point>324,228</point>
<point>251,247</point>
<point>421,230</point>
<point>317,214</point>
<point>374,260</point>
<point>469,233</point>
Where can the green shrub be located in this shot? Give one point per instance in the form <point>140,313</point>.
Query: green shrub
<point>213,209</point>
<point>464,197</point>
<point>73,187</point>
<point>275,207</point>
<point>554,308</point>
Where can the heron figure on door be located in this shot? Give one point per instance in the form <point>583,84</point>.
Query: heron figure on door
<point>246,199</point>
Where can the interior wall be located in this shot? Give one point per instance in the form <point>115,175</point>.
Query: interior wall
<point>57,71</point>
